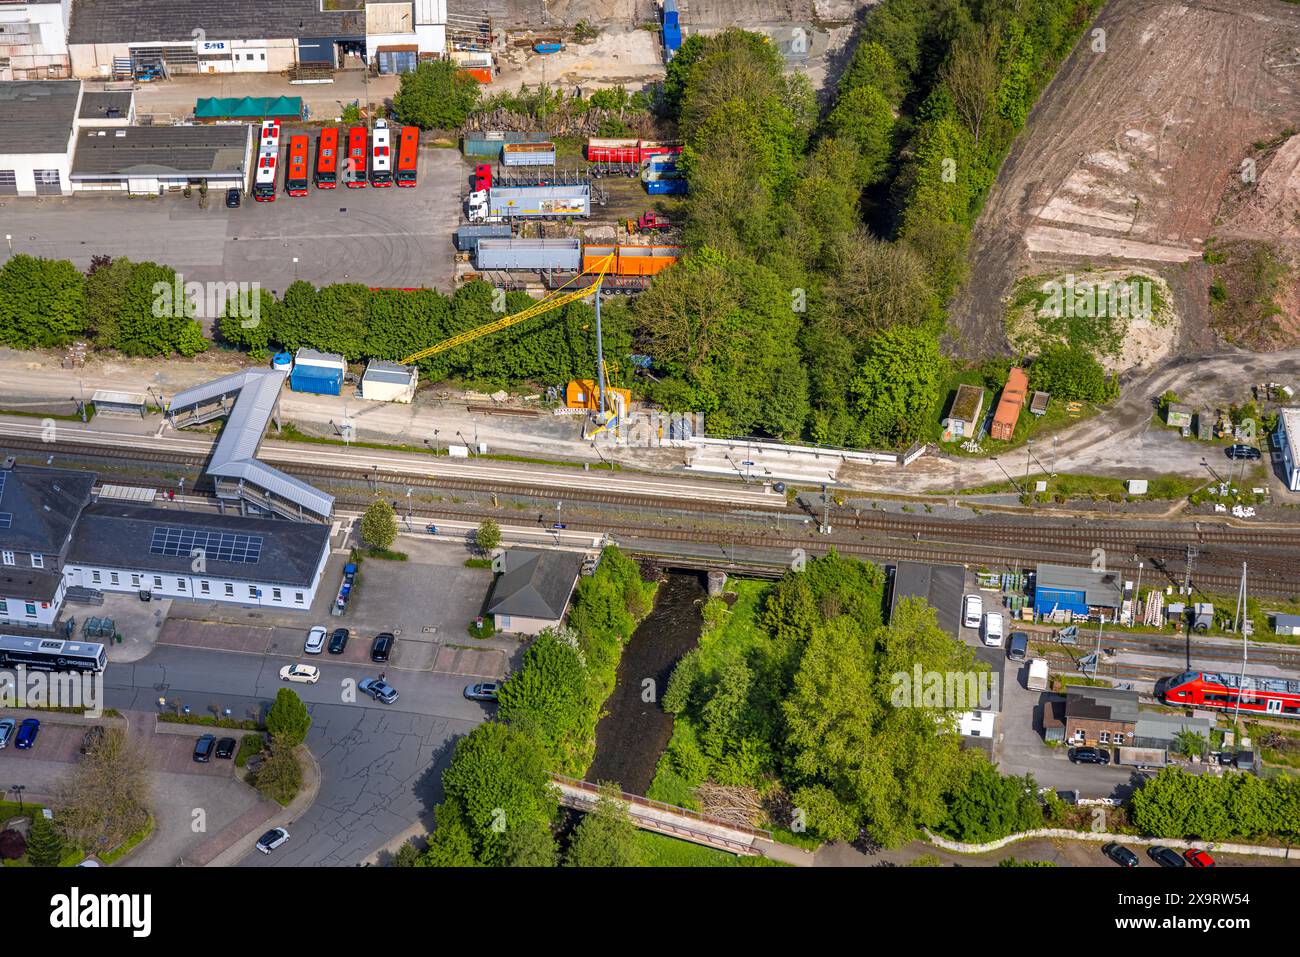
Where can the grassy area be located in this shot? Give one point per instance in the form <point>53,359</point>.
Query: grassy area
<point>1095,487</point>
<point>487,631</point>
<point>386,554</point>
<point>1038,316</point>
<point>60,417</point>
<point>207,720</point>
<point>249,746</point>
<point>660,851</point>
<point>478,563</point>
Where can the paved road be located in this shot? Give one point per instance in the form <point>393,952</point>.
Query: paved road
<point>380,765</point>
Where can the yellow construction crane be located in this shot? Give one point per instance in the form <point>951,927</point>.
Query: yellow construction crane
<point>553,300</point>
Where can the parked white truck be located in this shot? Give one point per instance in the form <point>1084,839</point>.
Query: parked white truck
<point>1036,680</point>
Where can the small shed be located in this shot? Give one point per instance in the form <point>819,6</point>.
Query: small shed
<point>1038,403</point>
<point>1178,416</point>
<point>109,402</point>
<point>389,382</point>
<point>964,414</point>
<point>1286,624</point>
<point>317,372</point>
<point>1204,425</point>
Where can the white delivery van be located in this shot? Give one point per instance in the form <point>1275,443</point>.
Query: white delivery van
<point>1037,679</point>
<point>991,629</point>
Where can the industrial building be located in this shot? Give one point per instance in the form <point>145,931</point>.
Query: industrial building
<point>34,40</point>
<point>389,382</point>
<point>38,123</point>
<point>1064,591</point>
<point>108,108</point>
<point>149,160</point>
<point>1287,439</point>
<point>124,37</point>
<point>941,586</point>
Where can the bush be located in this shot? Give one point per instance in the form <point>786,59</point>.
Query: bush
<point>379,525</point>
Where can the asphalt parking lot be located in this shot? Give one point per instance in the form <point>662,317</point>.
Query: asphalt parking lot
<point>380,237</point>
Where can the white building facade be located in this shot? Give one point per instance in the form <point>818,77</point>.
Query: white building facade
<point>1287,439</point>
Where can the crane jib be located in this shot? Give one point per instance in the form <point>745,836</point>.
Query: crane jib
<point>552,301</point>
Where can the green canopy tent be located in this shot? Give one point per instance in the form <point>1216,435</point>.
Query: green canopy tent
<point>212,108</point>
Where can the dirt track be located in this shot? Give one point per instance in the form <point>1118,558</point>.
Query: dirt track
<point>1129,152</point>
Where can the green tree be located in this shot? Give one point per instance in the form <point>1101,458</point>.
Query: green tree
<point>606,836</point>
<point>288,717</point>
<point>1070,372</point>
<point>530,845</point>
<point>44,843</point>
<point>986,806</point>
<point>450,845</point>
<point>498,777</point>
<point>379,524</point>
<point>436,96</point>
<point>547,697</point>
<point>488,536</point>
<point>279,777</point>
<point>42,302</point>
<point>897,388</point>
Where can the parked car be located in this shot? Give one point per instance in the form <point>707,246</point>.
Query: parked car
<point>315,641</point>
<point>972,611</point>
<point>338,641</point>
<point>1248,452</point>
<point>232,198</point>
<point>300,674</point>
<point>7,728</point>
<point>1017,645</point>
<point>483,691</point>
<point>204,747</point>
<point>1090,756</point>
<point>226,748</point>
<point>377,689</point>
<point>991,629</point>
<point>1121,855</point>
<point>92,738</point>
<point>1165,856</point>
<point>1198,858</point>
<point>27,732</point>
<point>272,839</point>
<point>382,646</point>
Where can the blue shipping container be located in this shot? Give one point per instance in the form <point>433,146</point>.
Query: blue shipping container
<point>666,187</point>
<point>318,380</point>
<point>670,12</point>
<point>672,38</point>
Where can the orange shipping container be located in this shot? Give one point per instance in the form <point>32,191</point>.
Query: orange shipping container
<point>481,73</point>
<point>583,394</point>
<point>1008,411</point>
<point>632,260</point>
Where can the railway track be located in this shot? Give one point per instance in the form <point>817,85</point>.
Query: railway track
<point>993,545</point>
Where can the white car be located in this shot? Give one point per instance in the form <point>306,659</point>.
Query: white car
<point>315,641</point>
<point>972,611</point>
<point>306,674</point>
<point>991,630</point>
<point>272,839</point>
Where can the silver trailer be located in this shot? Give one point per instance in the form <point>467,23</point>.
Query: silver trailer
<point>562,255</point>
<point>538,202</point>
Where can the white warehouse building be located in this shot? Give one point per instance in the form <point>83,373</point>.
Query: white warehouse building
<point>38,123</point>
<point>34,39</point>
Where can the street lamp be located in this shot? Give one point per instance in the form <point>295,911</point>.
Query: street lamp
<point>18,789</point>
<point>295,268</point>
<point>1014,484</point>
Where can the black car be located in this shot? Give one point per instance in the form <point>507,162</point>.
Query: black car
<point>1248,452</point>
<point>382,647</point>
<point>1121,855</point>
<point>226,748</point>
<point>1090,756</point>
<point>92,739</point>
<point>338,641</point>
<point>204,747</point>
<point>1166,857</point>
<point>232,198</point>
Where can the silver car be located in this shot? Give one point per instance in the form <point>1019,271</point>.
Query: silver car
<point>7,727</point>
<point>272,839</point>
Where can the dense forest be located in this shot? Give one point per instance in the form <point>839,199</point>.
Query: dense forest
<point>823,251</point>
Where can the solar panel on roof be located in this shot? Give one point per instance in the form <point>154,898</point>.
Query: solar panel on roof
<point>222,546</point>
<point>3,476</point>
<point>6,519</point>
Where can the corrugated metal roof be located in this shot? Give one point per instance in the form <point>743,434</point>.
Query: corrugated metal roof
<point>107,104</point>
<point>145,21</point>
<point>380,370</point>
<point>256,392</point>
<point>190,150</point>
<point>315,358</point>
<point>1101,588</point>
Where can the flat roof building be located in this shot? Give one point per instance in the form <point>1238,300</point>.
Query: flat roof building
<point>34,39</point>
<point>38,121</point>
<point>389,382</point>
<point>963,417</point>
<point>1288,444</point>
<point>106,108</point>
<point>1068,590</point>
<point>941,586</point>
<point>148,160</point>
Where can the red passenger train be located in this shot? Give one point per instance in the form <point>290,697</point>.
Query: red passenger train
<point>1253,694</point>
